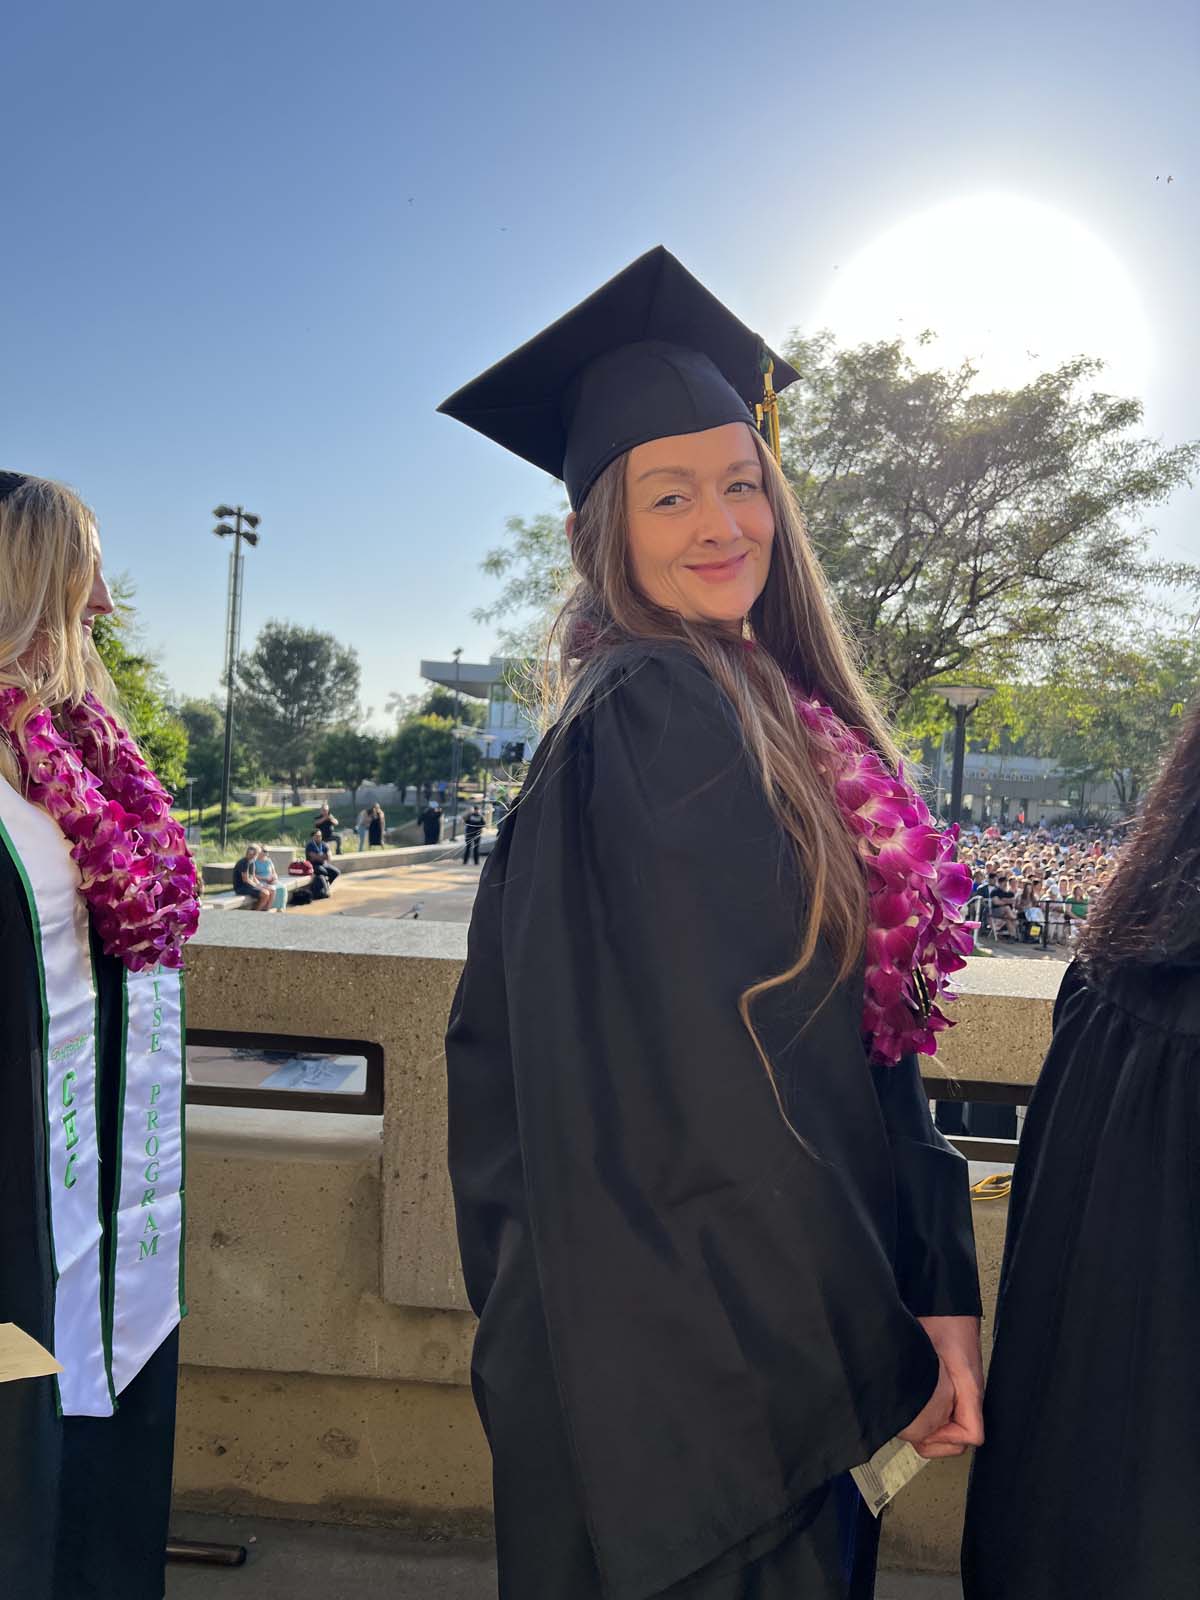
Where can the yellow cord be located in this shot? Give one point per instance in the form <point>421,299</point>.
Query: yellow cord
<point>996,1186</point>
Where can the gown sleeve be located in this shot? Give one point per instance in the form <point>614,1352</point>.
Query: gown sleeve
<point>720,1301</point>
<point>935,1246</point>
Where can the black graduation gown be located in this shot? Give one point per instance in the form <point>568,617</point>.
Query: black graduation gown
<point>690,1321</point>
<point>1089,1482</point>
<point>84,1501</point>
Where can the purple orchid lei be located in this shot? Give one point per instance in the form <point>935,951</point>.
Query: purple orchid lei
<point>136,874</point>
<point>916,892</point>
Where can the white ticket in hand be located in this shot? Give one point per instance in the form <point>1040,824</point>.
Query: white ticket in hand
<point>881,1479</point>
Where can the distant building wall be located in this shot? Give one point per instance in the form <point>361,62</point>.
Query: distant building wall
<point>996,784</point>
<point>506,719</point>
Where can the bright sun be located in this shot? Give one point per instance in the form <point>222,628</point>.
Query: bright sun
<point>1015,285</point>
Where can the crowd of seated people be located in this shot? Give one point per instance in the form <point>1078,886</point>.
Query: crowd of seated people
<point>1036,884</point>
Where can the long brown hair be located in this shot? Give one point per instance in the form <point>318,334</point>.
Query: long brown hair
<point>801,640</point>
<point>1149,913</point>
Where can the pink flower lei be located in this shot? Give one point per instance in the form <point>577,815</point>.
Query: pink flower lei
<point>916,889</point>
<point>136,874</point>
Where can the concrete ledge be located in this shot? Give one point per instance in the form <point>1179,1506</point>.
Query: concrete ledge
<point>1002,1018</point>
<point>217,874</point>
<point>338,977</point>
<point>401,1455</point>
<point>251,939</point>
<point>283,1266</point>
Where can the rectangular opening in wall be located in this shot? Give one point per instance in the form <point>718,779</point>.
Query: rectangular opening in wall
<point>284,1072</point>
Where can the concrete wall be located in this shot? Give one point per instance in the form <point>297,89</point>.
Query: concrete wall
<point>327,1349</point>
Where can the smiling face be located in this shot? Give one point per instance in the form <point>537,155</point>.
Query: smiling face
<point>700,525</point>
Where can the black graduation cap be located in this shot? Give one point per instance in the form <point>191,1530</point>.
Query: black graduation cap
<point>650,354</point>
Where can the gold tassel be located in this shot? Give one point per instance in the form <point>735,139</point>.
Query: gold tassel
<point>767,411</point>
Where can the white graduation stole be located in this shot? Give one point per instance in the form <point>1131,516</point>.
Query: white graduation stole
<point>109,1315</point>
<point>146,1286</point>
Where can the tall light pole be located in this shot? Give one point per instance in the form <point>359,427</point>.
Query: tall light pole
<point>964,698</point>
<point>456,764</point>
<point>233,632</point>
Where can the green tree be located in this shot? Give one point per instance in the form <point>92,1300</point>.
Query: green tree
<point>141,690</point>
<point>205,724</point>
<point>423,752</point>
<point>1109,708</point>
<point>535,565</point>
<point>440,702</point>
<point>401,708</point>
<point>963,529</point>
<point>292,688</point>
<point>961,532</point>
<point>347,757</point>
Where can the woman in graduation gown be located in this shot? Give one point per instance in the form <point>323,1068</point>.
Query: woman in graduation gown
<point>1090,1480</point>
<point>97,896</point>
<point>718,1252</point>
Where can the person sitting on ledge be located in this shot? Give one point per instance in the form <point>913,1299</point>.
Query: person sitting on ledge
<point>316,852</point>
<point>257,895</point>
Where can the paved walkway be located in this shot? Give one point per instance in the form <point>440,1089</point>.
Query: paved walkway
<point>444,891</point>
<point>313,1561</point>
<point>436,891</point>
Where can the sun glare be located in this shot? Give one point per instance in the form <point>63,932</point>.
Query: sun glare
<point>1015,285</point>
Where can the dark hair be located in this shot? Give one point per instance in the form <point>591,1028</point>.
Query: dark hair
<point>1149,912</point>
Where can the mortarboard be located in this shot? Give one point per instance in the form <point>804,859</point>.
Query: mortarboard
<point>650,354</point>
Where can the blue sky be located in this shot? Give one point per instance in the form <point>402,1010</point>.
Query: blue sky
<point>249,247</point>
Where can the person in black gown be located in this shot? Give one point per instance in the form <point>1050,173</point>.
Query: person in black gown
<point>1090,1479</point>
<point>91,1078</point>
<point>718,1256</point>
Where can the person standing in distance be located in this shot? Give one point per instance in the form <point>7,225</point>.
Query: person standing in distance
<point>473,825</point>
<point>431,822</point>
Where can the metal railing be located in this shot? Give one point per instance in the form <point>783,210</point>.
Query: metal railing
<point>981,1091</point>
<point>979,909</point>
<point>283,1072</point>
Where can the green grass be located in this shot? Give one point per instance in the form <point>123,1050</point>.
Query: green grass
<point>267,825</point>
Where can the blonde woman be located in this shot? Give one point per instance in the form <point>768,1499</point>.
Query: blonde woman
<point>247,884</point>
<point>267,879</point>
<point>97,897</point>
<point>719,1254</point>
